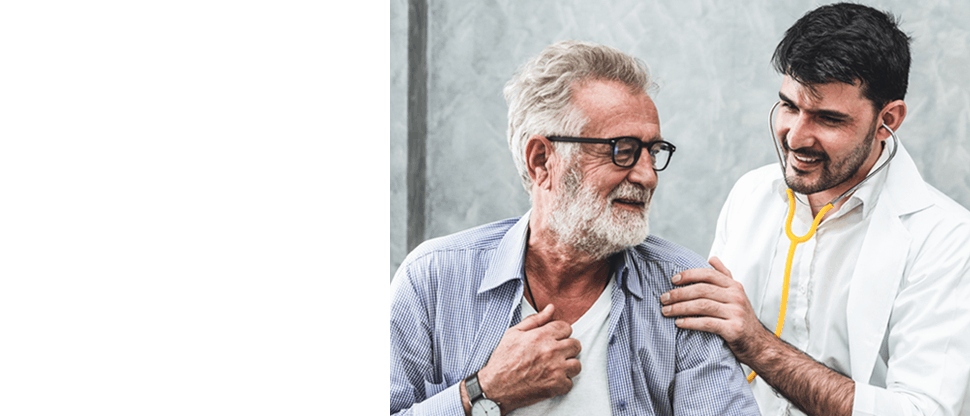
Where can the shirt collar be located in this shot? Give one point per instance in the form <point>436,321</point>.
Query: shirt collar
<point>509,261</point>
<point>868,193</point>
<point>621,263</point>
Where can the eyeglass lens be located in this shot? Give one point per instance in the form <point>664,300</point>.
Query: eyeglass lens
<point>626,149</point>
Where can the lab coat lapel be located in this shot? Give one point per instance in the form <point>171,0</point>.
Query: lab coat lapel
<point>881,263</point>
<point>875,282</point>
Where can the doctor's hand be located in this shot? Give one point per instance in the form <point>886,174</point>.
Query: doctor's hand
<point>712,301</point>
<point>534,361</point>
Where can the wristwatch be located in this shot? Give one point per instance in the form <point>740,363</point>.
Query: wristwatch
<point>481,405</point>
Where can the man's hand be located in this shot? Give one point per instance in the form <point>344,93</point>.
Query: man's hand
<point>535,360</point>
<point>716,303</point>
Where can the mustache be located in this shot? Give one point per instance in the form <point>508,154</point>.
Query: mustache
<point>805,151</point>
<point>630,191</point>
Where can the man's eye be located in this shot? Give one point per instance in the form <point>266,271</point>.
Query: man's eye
<point>831,120</point>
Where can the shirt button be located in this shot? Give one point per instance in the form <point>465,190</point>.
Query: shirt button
<point>612,340</point>
<point>621,405</point>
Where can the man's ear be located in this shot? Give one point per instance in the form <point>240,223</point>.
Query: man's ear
<point>538,152</point>
<point>891,115</point>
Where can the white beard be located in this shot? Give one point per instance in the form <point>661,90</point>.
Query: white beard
<point>592,224</point>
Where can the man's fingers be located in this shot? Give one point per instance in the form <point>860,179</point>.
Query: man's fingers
<point>696,307</point>
<point>573,368</point>
<point>720,277</point>
<point>706,324</point>
<point>534,321</point>
<point>719,266</point>
<point>557,330</point>
<point>699,275</point>
<point>693,292</point>
<point>571,347</point>
<point>543,320</point>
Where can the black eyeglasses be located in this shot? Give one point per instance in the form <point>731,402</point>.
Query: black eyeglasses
<point>626,150</point>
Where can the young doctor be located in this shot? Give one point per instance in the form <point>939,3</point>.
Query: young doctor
<point>860,267</point>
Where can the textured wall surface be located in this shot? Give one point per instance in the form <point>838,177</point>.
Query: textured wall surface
<point>399,130</point>
<point>711,59</point>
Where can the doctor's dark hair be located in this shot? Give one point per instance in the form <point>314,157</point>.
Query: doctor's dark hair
<point>847,42</point>
<point>540,94</point>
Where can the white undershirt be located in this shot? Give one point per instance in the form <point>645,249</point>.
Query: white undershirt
<point>590,394</point>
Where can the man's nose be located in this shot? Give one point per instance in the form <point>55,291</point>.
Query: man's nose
<point>642,172</point>
<point>798,131</point>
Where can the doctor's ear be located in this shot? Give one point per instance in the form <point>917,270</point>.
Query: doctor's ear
<point>538,153</point>
<point>891,115</point>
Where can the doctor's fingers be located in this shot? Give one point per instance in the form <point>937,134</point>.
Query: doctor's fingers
<point>734,293</point>
<point>724,328</point>
<point>703,275</point>
<point>700,307</point>
<point>738,326</point>
<point>719,266</point>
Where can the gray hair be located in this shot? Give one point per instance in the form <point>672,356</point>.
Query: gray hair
<point>540,93</point>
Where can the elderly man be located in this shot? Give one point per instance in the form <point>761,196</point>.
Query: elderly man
<point>872,312</point>
<point>465,334</point>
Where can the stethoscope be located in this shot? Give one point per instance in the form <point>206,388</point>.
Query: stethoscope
<point>796,240</point>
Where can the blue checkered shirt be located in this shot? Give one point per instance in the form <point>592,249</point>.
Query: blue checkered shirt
<point>454,297</point>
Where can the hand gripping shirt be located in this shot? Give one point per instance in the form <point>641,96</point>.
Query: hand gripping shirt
<point>454,297</point>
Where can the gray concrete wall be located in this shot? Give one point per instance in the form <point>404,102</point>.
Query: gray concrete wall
<point>711,59</point>
<point>399,131</point>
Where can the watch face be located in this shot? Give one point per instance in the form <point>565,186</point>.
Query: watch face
<point>485,407</point>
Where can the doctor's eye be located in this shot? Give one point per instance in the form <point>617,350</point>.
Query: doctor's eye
<point>832,121</point>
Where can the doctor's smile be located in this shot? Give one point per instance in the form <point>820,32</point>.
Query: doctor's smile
<point>805,159</point>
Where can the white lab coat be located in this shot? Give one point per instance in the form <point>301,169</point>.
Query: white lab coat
<point>908,312</point>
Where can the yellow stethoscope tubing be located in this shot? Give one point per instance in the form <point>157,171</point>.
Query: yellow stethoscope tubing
<point>795,241</point>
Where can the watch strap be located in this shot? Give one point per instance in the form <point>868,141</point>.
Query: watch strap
<point>474,388</point>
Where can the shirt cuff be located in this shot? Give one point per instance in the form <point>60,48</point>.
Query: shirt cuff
<point>871,400</point>
<point>864,401</point>
<point>446,403</point>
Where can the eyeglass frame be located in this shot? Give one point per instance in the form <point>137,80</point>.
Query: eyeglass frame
<point>612,142</point>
